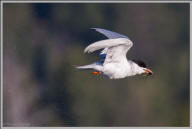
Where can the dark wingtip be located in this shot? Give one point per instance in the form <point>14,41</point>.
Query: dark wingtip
<point>92,28</point>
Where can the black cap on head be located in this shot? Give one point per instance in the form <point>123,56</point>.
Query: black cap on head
<point>140,63</point>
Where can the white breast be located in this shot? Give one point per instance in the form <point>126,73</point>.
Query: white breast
<point>117,70</point>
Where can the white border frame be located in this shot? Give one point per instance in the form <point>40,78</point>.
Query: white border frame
<point>85,1</point>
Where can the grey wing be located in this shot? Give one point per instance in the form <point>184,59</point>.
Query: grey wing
<point>110,34</point>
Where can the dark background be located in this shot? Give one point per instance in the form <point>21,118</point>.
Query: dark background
<point>42,43</point>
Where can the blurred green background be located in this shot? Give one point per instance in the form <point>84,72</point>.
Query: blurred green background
<point>42,42</point>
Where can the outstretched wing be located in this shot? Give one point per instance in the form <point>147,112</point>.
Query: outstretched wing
<point>106,44</point>
<point>109,34</point>
<point>116,48</point>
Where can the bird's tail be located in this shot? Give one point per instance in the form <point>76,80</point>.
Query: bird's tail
<point>96,66</point>
<point>85,67</point>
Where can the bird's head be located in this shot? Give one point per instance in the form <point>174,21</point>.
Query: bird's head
<point>143,68</point>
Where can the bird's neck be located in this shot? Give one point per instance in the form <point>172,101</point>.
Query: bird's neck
<point>134,68</point>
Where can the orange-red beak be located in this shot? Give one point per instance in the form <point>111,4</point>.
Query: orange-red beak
<point>148,72</point>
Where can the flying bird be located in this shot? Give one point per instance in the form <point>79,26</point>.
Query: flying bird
<point>114,63</point>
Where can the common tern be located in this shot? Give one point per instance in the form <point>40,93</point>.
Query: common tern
<point>114,63</point>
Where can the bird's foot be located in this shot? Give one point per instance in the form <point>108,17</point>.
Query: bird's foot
<point>96,72</point>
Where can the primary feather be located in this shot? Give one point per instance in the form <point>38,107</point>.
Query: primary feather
<point>110,34</point>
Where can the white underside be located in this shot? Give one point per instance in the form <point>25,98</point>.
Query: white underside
<point>116,70</point>
<point>121,70</point>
